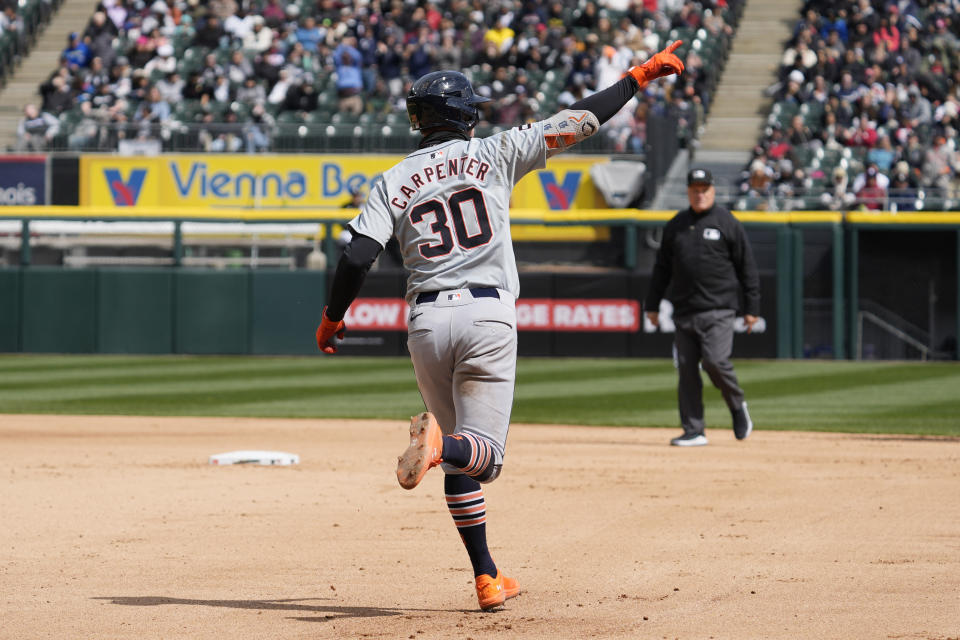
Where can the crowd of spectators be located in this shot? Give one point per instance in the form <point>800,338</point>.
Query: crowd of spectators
<point>20,22</point>
<point>866,110</point>
<point>12,23</point>
<point>231,70</point>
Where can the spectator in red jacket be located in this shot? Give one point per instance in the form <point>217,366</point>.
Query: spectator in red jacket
<point>887,34</point>
<point>872,196</point>
<point>865,135</point>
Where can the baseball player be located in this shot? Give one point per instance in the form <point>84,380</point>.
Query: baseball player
<point>447,203</point>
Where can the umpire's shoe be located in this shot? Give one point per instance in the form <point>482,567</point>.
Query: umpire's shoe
<point>742,424</point>
<point>424,452</point>
<point>690,440</point>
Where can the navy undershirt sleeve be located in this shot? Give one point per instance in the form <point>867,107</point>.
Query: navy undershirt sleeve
<point>605,104</point>
<point>352,269</point>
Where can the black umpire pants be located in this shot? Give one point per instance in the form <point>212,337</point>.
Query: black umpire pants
<point>704,338</point>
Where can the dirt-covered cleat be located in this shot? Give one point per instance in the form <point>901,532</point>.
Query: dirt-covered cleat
<point>424,452</point>
<point>492,592</point>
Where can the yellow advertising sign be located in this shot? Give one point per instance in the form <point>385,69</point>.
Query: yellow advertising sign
<point>295,181</point>
<point>116,181</point>
<point>564,184</point>
<point>245,181</point>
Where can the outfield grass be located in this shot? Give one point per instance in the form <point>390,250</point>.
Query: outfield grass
<point>872,397</point>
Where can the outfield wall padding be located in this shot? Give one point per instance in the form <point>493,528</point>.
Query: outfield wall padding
<point>212,311</point>
<point>9,310</point>
<point>133,310</point>
<point>59,313</point>
<point>202,311</point>
<point>285,311</point>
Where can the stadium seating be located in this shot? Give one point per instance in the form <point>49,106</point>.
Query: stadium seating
<point>546,78</point>
<point>898,86</point>
<point>18,33</point>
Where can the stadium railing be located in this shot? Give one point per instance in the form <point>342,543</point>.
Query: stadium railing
<point>297,133</point>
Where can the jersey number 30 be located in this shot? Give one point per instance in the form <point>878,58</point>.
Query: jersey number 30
<point>440,227</point>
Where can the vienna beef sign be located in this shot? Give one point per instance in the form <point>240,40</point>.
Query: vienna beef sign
<point>536,314</point>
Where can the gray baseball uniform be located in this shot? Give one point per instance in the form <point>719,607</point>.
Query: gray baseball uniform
<point>448,206</point>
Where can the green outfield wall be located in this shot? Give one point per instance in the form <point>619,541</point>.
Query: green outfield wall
<point>155,310</point>
<point>828,279</point>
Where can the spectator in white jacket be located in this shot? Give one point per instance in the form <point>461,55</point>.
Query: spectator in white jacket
<point>260,37</point>
<point>163,62</point>
<point>36,130</point>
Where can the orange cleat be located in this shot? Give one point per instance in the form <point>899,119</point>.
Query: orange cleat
<point>492,592</point>
<point>424,453</point>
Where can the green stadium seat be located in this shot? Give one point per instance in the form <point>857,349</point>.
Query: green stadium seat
<point>319,117</point>
<point>327,101</point>
<point>241,109</point>
<point>181,40</point>
<point>377,106</point>
<point>290,132</point>
<point>342,137</point>
<point>217,108</point>
<point>344,118</point>
<point>290,117</point>
<point>803,156</point>
<point>682,33</point>
<point>69,119</point>
<point>932,203</point>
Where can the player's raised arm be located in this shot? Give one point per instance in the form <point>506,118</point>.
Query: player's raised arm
<point>582,119</point>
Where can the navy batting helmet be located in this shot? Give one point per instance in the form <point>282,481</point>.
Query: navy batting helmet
<point>443,99</point>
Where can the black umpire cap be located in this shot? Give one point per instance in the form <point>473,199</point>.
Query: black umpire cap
<point>699,176</point>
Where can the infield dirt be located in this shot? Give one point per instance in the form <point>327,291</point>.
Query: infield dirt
<point>116,527</point>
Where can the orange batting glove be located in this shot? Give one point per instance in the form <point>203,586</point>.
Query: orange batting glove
<point>658,66</point>
<point>326,332</point>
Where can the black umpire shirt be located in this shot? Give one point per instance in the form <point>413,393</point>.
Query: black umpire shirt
<point>706,257</point>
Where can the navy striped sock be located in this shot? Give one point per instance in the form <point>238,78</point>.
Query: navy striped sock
<point>468,452</point>
<point>469,510</point>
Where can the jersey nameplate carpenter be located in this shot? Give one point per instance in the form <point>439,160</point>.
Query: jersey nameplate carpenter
<point>440,171</point>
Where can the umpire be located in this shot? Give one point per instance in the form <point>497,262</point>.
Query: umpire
<point>706,258</point>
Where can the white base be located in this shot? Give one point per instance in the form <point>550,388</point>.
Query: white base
<point>268,458</point>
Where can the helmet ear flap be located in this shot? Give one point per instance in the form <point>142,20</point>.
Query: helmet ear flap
<point>413,113</point>
<point>423,114</point>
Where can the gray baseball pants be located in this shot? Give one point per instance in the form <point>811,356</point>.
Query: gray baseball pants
<point>704,338</point>
<point>464,353</point>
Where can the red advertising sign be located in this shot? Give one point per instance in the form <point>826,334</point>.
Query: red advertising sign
<point>535,314</point>
<point>377,314</point>
<point>569,314</point>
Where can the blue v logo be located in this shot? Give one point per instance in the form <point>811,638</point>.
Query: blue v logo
<point>560,196</point>
<point>125,193</point>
